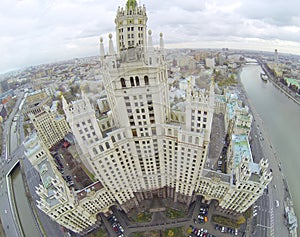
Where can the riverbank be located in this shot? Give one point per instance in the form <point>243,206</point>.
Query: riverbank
<point>278,189</point>
<point>282,89</point>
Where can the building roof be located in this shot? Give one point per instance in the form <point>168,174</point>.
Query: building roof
<point>241,149</point>
<point>47,175</point>
<point>81,194</point>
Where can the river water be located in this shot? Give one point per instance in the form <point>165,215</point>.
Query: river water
<point>26,218</point>
<point>281,117</point>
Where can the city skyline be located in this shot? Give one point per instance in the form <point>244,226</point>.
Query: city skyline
<point>36,32</point>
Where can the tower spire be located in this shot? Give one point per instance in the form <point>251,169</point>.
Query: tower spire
<point>162,45</point>
<point>111,49</point>
<point>102,52</point>
<point>131,3</point>
<point>150,42</point>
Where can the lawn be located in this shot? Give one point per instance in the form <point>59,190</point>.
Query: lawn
<point>143,217</point>
<point>98,233</point>
<point>174,232</point>
<point>174,214</point>
<point>225,221</point>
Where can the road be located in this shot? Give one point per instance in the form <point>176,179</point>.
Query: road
<point>13,153</point>
<point>270,220</point>
<point>7,215</point>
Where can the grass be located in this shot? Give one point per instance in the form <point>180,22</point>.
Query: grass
<point>173,232</point>
<point>88,173</point>
<point>143,217</point>
<point>146,234</point>
<point>174,214</point>
<point>248,213</point>
<point>225,221</point>
<point>98,233</point>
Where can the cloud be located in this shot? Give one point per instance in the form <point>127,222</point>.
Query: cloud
<point>39,31</point>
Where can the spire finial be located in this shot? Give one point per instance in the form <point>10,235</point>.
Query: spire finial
<point>161,42</point>
<point>111,49</point>
<point>150,43</point>
<point>102,52</point>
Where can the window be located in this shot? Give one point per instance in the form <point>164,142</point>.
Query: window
<point>131,81</point>
<point>134,133</point>
<point>137,81</point>
<point>113,139</point>
<point>95,151</point>
<point>101,148</point>
<point>146,79</point>
<point>123,83</point>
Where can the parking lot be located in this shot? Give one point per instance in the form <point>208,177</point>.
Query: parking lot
<point>69,168</point>
<point>204,225</point>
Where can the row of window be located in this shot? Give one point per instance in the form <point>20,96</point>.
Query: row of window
<point>134,81</point>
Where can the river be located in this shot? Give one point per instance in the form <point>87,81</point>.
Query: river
<point>22,205</point>
<point>281,117</point>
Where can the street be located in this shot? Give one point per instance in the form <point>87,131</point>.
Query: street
<point>270,219</point>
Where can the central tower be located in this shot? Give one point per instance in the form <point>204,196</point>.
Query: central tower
<point>144,150</point>
<point>131,26</point>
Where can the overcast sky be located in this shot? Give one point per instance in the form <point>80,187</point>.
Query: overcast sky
<point>40,31</point>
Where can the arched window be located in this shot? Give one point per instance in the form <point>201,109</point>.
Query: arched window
<point>146,79</point>
<point>131,81</point>
<point>101,148</point>
<point>113,64</point>
<point>123,83</point>
<point>137,81</point>
<point>107,145</point>
<point>95,151</point>
<point>113,139</point>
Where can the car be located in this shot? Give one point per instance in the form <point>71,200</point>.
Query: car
<point>71,183</point>
<point>276,203</point>
<point>230,230</point>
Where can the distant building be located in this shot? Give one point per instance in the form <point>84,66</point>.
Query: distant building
<point>35,102</point>
<point>3,111</point>
<point>210,63</point>
<point>276,58</point>
<point>6,96</point>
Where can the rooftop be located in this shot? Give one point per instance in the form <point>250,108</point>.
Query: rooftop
<point>241,149</point>
<point>47,175</point>
<point>81,194</point>
<point>215,175</point>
